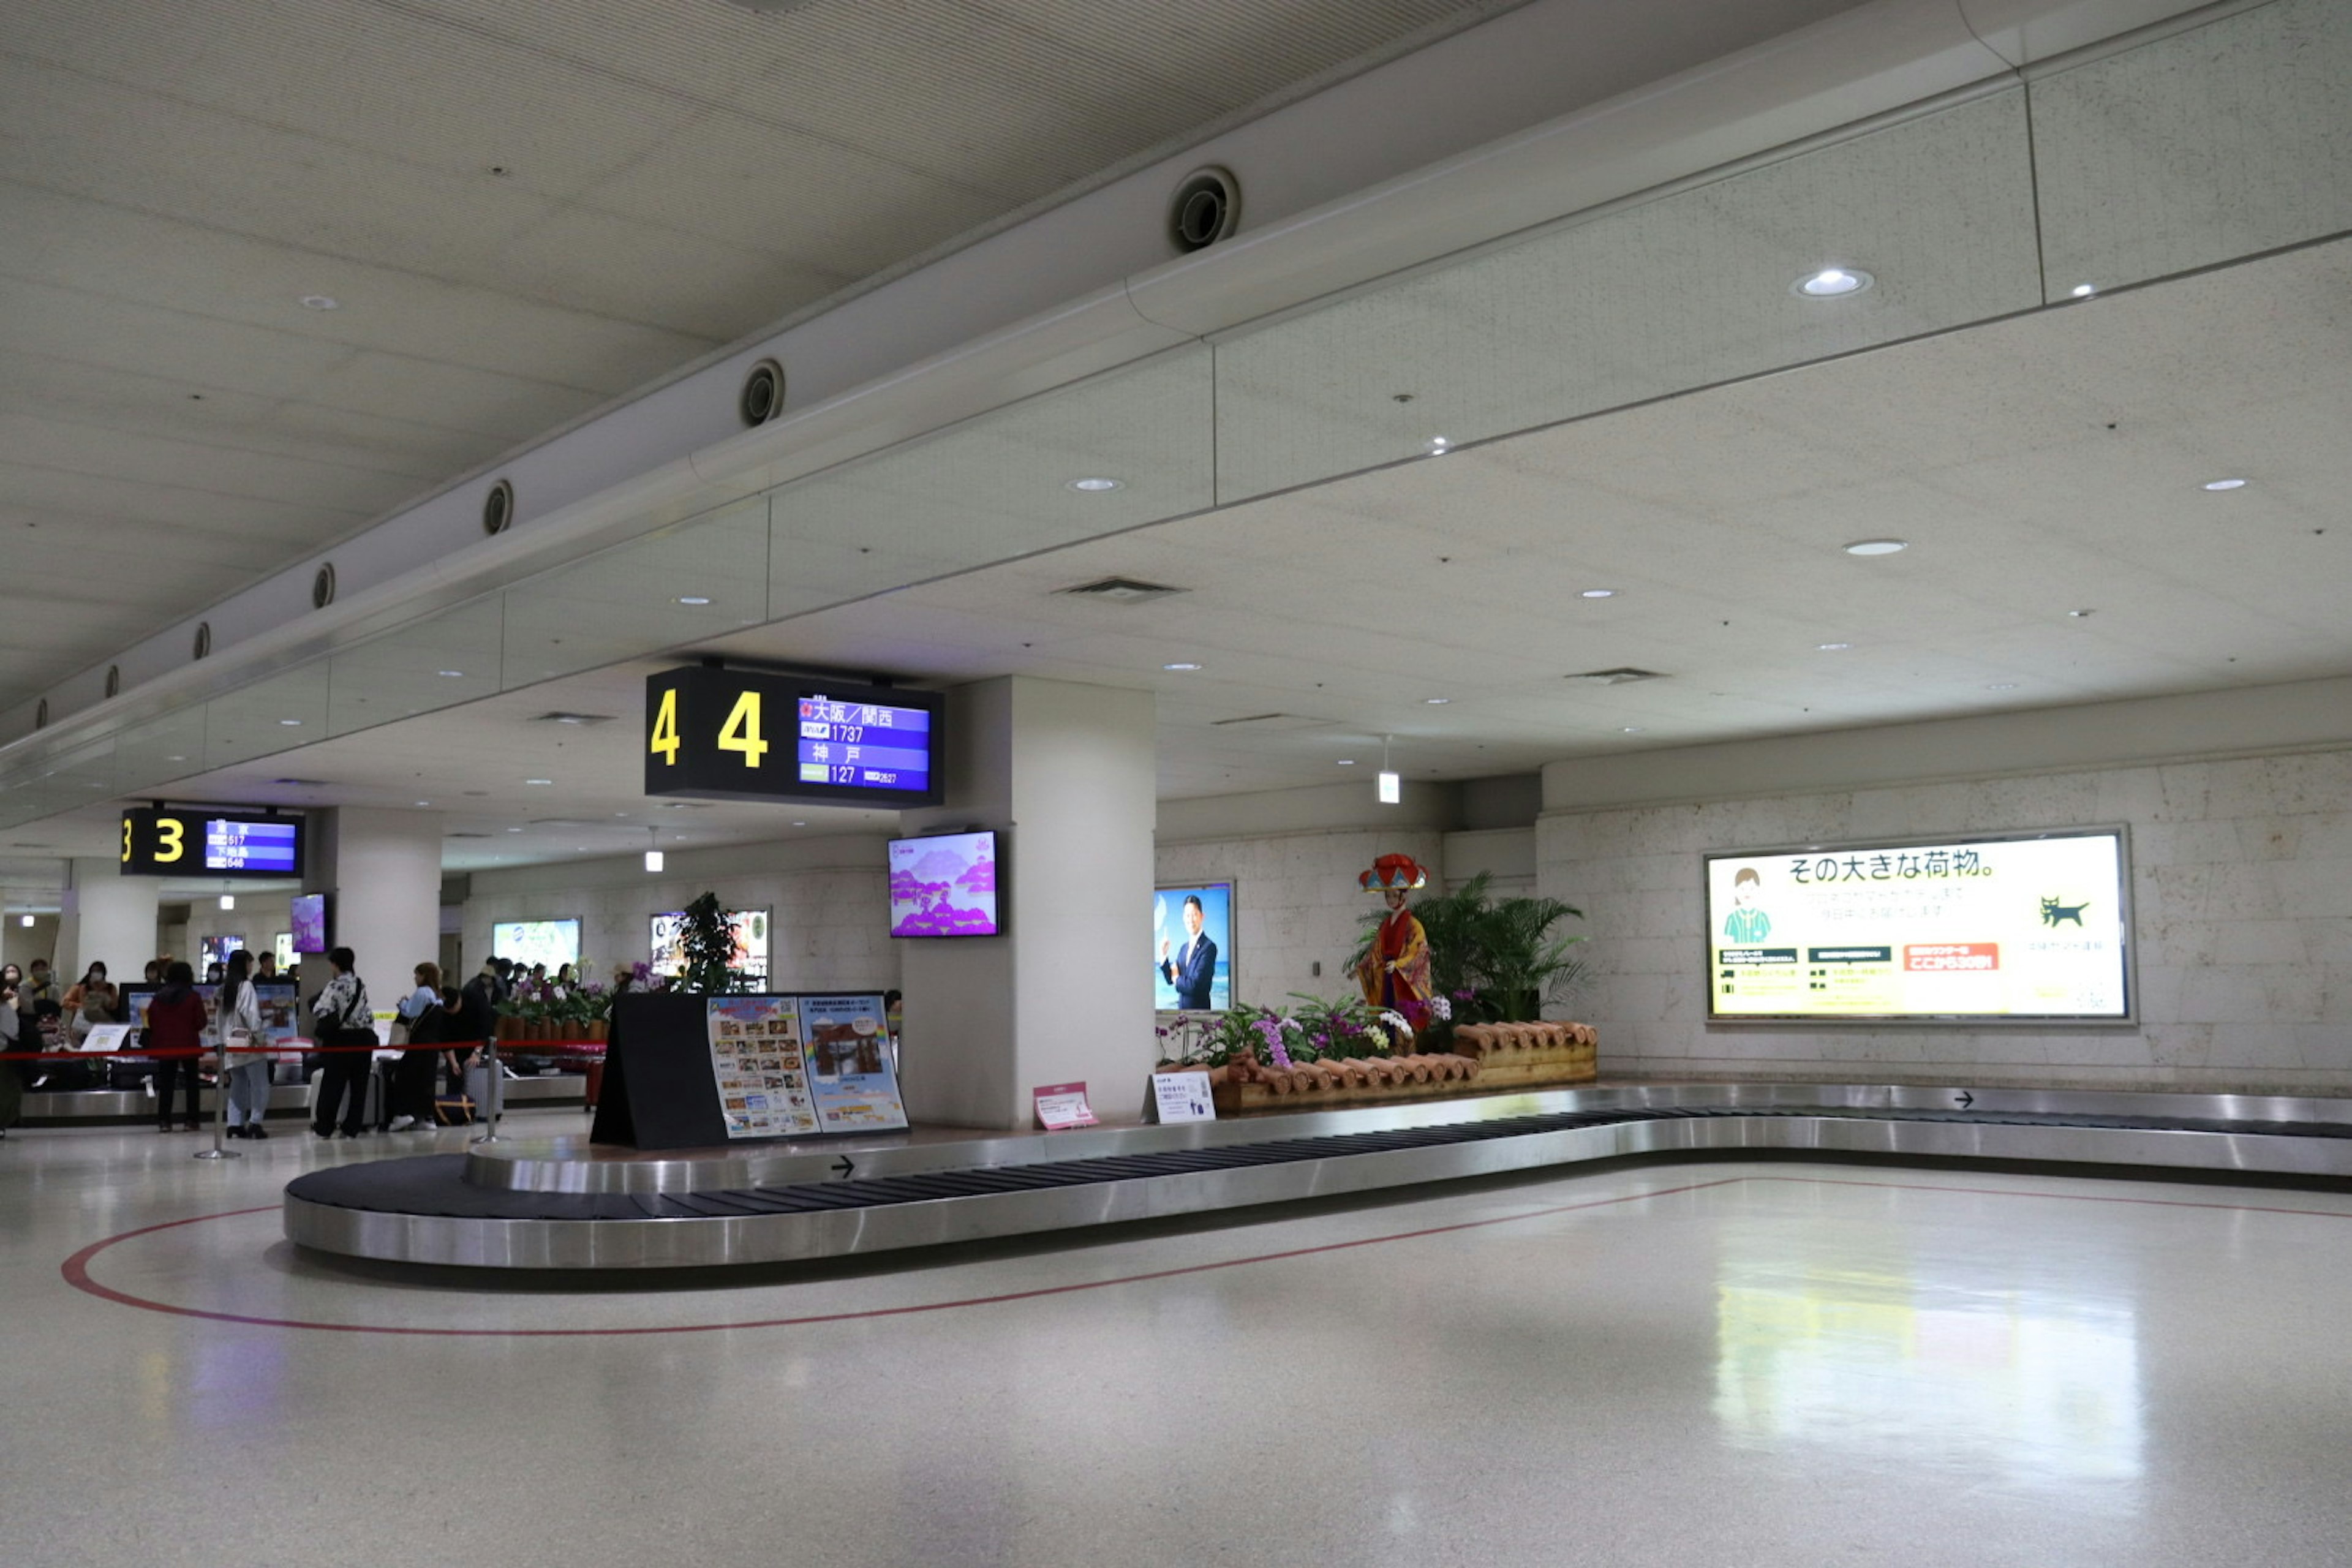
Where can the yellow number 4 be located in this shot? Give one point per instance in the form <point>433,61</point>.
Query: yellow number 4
<point>666,741</point>
<point>742,730</point>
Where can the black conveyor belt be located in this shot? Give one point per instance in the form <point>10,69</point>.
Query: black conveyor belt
<point>434,1184</point>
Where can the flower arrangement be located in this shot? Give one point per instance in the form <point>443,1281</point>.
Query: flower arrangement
<point>1316,1030</point>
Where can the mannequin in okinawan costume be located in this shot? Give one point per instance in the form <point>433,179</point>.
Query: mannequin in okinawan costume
<point>1394,973</point>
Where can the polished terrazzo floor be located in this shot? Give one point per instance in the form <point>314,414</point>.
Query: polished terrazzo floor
<point>1708,1363</point>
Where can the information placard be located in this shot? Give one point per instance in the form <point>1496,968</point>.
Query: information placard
<point>756,1065</point>
<point>1182,1097</point>
<point>1062,1106</point>
<point>2014,927</point>
<point>106,1037</point>
<point>847,1046</point>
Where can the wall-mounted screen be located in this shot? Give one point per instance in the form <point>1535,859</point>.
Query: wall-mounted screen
<point>1193,948</point>
<point>944,886</point>
<point>2022,927</point>
<point>216,949</point>
<point>161,843</point>
<point>308,915</point>
<point>751,931</point>
<point>552,942</point>
<point>739,734</point>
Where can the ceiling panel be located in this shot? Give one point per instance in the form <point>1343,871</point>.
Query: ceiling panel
<point>1685,290</point>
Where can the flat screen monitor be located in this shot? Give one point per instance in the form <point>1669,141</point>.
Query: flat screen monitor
<point>2018,927</point>
<point>552,942</point>
<point>944,886</point>
<point>751,954</point>
<point>308,915</point>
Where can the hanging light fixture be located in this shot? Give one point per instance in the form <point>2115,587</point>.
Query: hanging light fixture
<point>653,850</point>
<point>228,900</point>
<point>1392,787</point>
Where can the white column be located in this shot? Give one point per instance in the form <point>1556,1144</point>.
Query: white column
<point>108,919</point>
<point>1065,773</point>
<point>384,868</point>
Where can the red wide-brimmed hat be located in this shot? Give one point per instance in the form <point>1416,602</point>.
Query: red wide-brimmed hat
<point>1400,873</point>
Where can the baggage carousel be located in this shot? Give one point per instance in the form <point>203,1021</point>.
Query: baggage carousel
<point>565,1203</point>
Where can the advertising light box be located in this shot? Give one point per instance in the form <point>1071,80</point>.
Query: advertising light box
<point>2023,928</point>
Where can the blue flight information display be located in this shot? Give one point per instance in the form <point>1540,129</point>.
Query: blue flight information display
<point>233,844</point>
<point>863,745</point>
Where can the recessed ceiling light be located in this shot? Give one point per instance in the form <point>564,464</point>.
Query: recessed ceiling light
<point>291,724</point>
<point>2001,686</point>
<point>1877,547</point>
<point>694,598</point>
<point>1347,761</point>
<point>1438,445</point>
<point>425,803</point>
<point>1598,593</point>
<point>320,302</point>
<point>1632,729</point>
<point>2078,614</point>
<point>2083,291</point>
<point>450,674</point>
<point>538,780</point>
<point>1833,283</point>
<point>1097,486</point>
<point>175,759</point>
<point>1832,647</point>
<point>514,830</point>
<point>1180,666</point>
<point>800,824</point>
<point>2225,484</point>
<point>1437,701</point>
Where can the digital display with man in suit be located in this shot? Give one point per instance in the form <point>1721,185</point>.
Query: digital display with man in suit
<point>1193,974</point>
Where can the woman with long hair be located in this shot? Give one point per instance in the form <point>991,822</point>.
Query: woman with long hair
<point>247,1077</point>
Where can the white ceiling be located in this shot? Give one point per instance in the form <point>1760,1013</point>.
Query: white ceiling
<point>521,212</point>
<point>2036,466</point>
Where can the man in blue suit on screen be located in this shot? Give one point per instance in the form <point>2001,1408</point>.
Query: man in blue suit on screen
<point>1194,966</point>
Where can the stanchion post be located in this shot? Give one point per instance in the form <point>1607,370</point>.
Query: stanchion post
<point>220,1150</point>
<point>490,1049</point>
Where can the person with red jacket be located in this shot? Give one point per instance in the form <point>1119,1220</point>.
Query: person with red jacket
<point>175,1028</point>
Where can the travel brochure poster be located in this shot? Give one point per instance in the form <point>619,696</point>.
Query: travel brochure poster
<point>1193,949</point>
<point>755,1058</point>
<point>791,1066</point>
<point>2000,928</point>
<point>850,1071</point>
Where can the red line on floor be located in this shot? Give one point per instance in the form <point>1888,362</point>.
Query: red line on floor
<point>76,1268</point>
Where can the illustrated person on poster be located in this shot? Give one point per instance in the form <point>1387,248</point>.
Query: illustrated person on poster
<point>1746,925</point>
<point>1193,968</point>
<point>1395,973</point>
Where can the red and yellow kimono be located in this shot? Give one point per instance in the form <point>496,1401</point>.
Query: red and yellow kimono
<point>1395,973</point>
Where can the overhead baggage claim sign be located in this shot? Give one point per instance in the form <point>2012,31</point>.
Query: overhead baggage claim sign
<point>740,734</point>
<point>2019,928</point>
<point>157,842</point>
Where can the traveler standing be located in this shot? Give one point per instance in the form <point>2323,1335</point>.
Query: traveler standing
<point>411,1101</point>
<point>176,1031</point>
<point>245,1078</point>
<point>344,1018</point>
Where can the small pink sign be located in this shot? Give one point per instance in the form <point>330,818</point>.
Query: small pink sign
<point>1062,1106</point>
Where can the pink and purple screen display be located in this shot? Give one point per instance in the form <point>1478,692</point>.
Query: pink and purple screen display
<point>944,886</point>
<point>311,924</point>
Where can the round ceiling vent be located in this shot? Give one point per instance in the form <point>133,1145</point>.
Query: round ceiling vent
<point>1207,207</point>
<point>204,638</point>
<point>763,393</point>
<point>322,586</point>
<point>41,714</point>
<point>114,680</point>
<point>498,506</point>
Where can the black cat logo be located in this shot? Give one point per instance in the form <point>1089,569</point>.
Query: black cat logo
<point>2053,912</point>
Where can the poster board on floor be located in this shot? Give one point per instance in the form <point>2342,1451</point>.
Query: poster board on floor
<point>688,1071</point>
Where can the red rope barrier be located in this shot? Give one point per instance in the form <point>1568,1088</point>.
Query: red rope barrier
<point>304,1047</point>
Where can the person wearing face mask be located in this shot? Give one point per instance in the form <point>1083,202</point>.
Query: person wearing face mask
<point>245,1077</point>
<point>92,1000</point>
